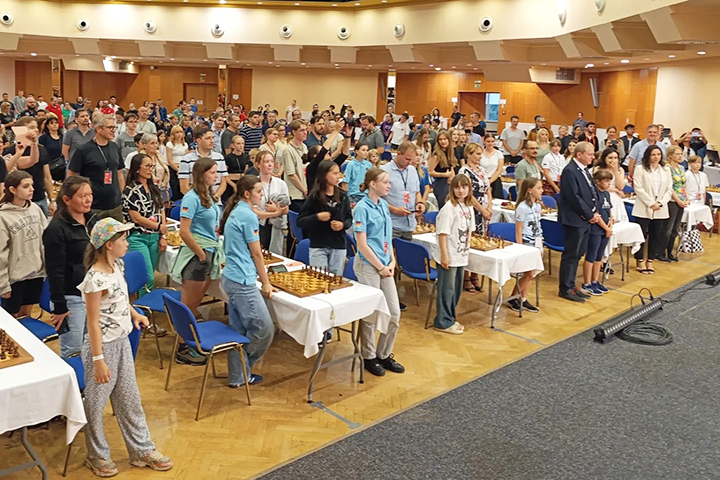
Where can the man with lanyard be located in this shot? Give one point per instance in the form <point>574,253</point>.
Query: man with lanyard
<point>404,199</point>
<point>577,211</point>
<point>204,138</point>
<point>78,136</point>
<point>101,162</point>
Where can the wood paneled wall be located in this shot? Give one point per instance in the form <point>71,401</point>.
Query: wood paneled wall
<point>34,77</point>
<point>240,83</point>
<point>627,96</point>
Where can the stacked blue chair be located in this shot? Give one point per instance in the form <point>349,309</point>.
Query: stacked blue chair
<point>413,260</point>
<point>513,193</point>
<point>554,236</point>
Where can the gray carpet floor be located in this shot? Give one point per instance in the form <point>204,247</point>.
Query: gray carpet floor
<point>577,410</point>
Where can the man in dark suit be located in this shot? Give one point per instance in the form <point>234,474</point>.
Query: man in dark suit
<point>577,211</point>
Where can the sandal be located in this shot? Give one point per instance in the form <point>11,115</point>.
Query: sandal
<point>101,467</point>
<point>649,269</point>
<point>641,270</point>
<point>471,288</point>
<point>474,279</point>
<point>454,329</point>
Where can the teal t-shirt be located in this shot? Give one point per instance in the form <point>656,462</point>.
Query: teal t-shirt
<point>355,174</point>
<point>205,221</point>
<point>375,222</point>
<point>241,229</point>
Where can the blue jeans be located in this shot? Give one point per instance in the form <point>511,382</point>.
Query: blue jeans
<point>249,316</point>
<point>449,288</point>
<point>71,342</point>
<point>44,206</point>
<point>333,259</point>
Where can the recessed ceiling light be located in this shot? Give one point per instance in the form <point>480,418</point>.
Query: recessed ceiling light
<point>77,54</point>
<point>335,64</point>
<point>646,59</point>
<point>270,63</point>
<point>33,54</point>
<point>357,4</point>
<point>160,60</point>
<point>671,56</point>
<point>590,65</point>
<point>384,1</point>
<point>369,66</point>
<point>438,68</point>
<point>454,66</point>
<point>334,4</point>
<point>303,64</point>
<point>259,3</point>
<point>607,63</point>
<point>204,59</point>
<point>278,66</point>
<point>469,65</point>
<point>624,61</point>
<point>296,4</point>
<point>475,68</point>
<point>701,52</point>
<point>222,2</point>
<point>431,65</point>
<point>543,64</point>
<point>172,59</point>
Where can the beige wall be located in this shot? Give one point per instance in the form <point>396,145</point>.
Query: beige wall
<point>687,97</point>
<point>278,86</point>
<point>7,76</point>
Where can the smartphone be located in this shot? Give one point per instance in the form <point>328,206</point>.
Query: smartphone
<point>695,134</point>
<point>279,268</point>
<point>21,136</point>
<point>64,327</point>
<point>665,133</point>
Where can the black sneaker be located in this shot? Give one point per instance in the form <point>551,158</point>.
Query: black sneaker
<point>527,306</point>
<point>189,356</point>
<point>374,366</point>
<point>572,297</point>
<point>403,307</point>
<point>514,304</point>
<point>389,363</point>
<point>662,258</point>
<point>578,293</point>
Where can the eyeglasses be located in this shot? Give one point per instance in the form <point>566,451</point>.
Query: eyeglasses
<point>113,127</point>
<point>149,166</point>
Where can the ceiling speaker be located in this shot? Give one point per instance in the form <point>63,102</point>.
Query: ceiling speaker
<point>7,18</point>
<point>286,31</point>
<point>600,5</point>
<point>343,32</point>
<point>82,24</point>
<point>399,30</point>
<point>486,24</point>
<point>217,30</point>
<point>150,26</point>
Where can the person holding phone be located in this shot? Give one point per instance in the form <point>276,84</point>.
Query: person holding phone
<point>64,241</point>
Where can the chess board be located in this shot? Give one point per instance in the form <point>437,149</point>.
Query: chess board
<point>713,189</point>
<point>269,258</point>
<point>508,205</point>
<point>307,282</point>
<point>11,353</point>
<point>507,179</point>
<point>548,211</point>
<point>424,228</point>
<point>173,239</point>
<point>485,244</point>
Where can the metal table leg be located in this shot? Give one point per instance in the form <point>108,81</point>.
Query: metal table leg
<point>37,462</point>
<point>496,306</point>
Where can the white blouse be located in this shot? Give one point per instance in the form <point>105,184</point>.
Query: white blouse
<point>554,163</point>
<point>490,164</point>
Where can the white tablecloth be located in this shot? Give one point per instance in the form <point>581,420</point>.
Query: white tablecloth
<point>507,215</point>
<point>37,391</point>
<point>694,214</point>
<point>625,234</point>
<point>306,319</point>
<point>497,264</point>
<point>713,174</point>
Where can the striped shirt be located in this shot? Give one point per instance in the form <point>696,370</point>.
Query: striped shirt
<point>252,136</point>
<point>187,162</point>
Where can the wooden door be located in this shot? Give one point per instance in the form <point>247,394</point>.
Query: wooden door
<point>471,102</point>
<point>205,95</point>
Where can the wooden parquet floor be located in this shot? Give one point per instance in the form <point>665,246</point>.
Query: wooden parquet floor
<point>234,441</point>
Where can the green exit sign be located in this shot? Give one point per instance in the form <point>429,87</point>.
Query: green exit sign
<point>478,83</point>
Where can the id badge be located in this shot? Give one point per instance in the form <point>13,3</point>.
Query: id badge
<point>108,177</point>
<point>406,197</point>
<point>385,247</point>
<point>539,243</point>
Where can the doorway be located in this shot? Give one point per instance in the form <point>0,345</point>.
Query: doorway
<point>205,95</point>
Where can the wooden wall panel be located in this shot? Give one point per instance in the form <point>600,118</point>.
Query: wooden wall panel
<point>34,77</point>
<point>626,96</point>
<point>240,83</point>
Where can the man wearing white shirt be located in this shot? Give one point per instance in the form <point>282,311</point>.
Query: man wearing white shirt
<point>41,103</point>
<point>400,132</point>
<point>289,110</point>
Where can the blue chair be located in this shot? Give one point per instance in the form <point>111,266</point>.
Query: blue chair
<point>208,338</point>
<point>302,251</point>
<point>629,209</point>
<point>343,167</point>
<point>175,213</point>
<point>715,211</point>
<point>627,189</point>
<point>510,169</point>
<point>294,229</point>
<point>414,261</point>
<point>554,236</point>
<point>386,156</point>
<point>431,217</point>
<point>557,199</point>
<point>349,272</point>
<point>42,330</point>
<point>151,303</point>
<point>513,193</point>
<point>351,245</point>
<point>549,201</point>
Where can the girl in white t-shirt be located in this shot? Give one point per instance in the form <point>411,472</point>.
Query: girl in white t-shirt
<point>528,231</point>
<point>107,355</point>
<point>697,181</point>
<point>273,207</point>
<point>553,165</point>
<point>454,226</point>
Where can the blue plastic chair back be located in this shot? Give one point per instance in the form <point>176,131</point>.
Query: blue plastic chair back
<point>302,251</point>
<point>627,189</point>
<point>513,193</point>
<point>506,231</point>
<point>431,217</point>
<point>557,197</point>
<point>349,272</point>
<point>134,338</point>
<point>505,193</point>
<point>386,156</point>
<point>553,234</point>
<point>135,271</point>
<point>182,319</point>
<point>708,200</point>
<point>45,297</point>
<point>343,167</point>
<point>629,209</point>
<point>351,245</point>
<point>510,169</point>
<point>296,231</point>
<point>549,201</point>
<point>411,256</point>
<point>79,368</point>
<point>175,213</point>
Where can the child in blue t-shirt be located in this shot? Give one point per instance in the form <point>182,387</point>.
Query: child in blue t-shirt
<point>355,172</point>
<point>528,231</point>
<point>600,233</point>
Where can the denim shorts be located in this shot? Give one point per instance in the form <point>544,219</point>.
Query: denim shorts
<point>197,271</point>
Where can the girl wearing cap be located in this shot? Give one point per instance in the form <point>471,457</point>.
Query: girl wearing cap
<point>22,263</point>
<point>107,355</point>
<point>248,313</point>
